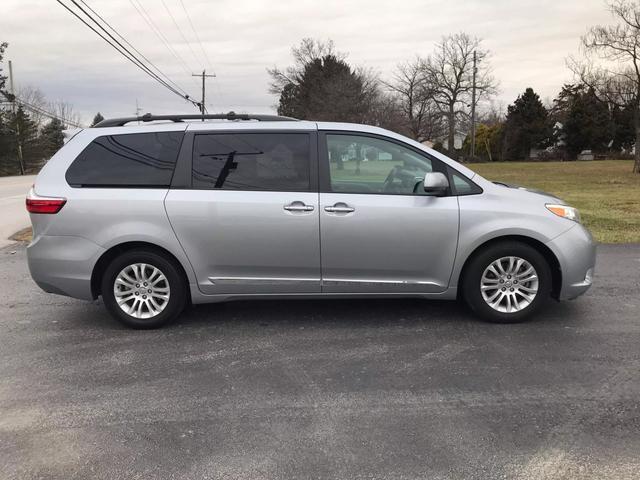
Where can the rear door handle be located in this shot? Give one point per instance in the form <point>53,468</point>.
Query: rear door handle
<point>339,207</point>
<point>298,207</point>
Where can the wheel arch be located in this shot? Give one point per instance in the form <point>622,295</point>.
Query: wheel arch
<point>546,252</point>
<point>114,251</point>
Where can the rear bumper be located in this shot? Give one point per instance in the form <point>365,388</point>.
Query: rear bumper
<point>63,264</point>
<point>576,253</point>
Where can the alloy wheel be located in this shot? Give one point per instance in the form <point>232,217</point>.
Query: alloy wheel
<point>509,284</point>
<point>141,290</point>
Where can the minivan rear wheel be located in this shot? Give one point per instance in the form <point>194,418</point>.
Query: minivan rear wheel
<point>143,289</point>
<point>507,282</point>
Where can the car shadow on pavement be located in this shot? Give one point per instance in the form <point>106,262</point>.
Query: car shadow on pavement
<point>351,312</point>
<point>327,312</point>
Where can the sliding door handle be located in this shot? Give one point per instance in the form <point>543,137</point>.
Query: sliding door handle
<point>298,207</point>
<point>339,207</point>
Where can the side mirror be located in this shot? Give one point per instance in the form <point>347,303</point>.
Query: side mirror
<point>436,184</point>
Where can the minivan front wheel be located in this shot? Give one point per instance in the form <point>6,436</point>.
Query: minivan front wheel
<point>143,289</point>
<point>507,282</point>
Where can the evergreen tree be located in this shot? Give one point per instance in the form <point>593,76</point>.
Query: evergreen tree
<point>51,137</point>
<point>328,89</point>
<point>562,103</point>
<point>623,131</point>
<point>6,163</point>
<point>7,159</point>
<point>25,135</point>
<point>527,126</point>
<point>97,119</point>
<point>588,123</point>
<point>323,86</point>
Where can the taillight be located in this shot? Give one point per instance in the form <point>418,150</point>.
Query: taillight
<point>37,204</point>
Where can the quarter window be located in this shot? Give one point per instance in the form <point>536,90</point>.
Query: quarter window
<point>252,161</point>
<point>359,164</point>
<point>462,185</point>
<point>129,160</point>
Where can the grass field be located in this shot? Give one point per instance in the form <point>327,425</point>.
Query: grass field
<point>606,192</point>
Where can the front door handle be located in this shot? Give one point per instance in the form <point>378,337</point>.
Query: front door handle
<point>339,207</point>
<point>298,207</point>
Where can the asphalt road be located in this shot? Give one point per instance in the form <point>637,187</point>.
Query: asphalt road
<point>322,389</point>
<point>13,191</point>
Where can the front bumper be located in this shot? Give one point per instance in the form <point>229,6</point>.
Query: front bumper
<point>63,264</point>
<point>576,252</point>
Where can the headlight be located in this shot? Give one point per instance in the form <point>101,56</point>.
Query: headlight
<point>564,211</point>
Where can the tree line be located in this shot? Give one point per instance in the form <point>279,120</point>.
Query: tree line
<point>431,98</point>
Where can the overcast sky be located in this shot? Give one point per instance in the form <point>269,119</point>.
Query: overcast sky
<point>53,51</point>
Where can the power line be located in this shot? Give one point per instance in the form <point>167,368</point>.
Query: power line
<point>180,31</point>
<point>133,48</point>
<point>158,33</point>
<point>195,32</point>
<point>216,85</point>
<point>46,113</point>
<point>137,60</point>
<point>121,49</point>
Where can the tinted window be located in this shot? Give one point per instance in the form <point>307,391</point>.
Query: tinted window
<point>136,159</point>
<point>251,161</point>
<point>371,165</point>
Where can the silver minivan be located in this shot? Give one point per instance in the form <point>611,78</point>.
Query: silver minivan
<point>168,212</point>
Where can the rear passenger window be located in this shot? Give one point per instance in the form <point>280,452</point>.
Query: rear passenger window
<point>251,161</point>
<point>129,160</point>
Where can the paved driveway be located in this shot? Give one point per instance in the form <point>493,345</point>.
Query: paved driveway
<point>322,389</point>
<point>14,216</point>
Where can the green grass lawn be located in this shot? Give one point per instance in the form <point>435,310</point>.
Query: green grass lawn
<point>606,192</point>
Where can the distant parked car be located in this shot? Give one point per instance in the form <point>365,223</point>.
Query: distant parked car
<point>153,217</point>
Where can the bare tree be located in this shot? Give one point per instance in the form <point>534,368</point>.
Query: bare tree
<point>449,76</point>
<point>386,112</point>
<point>65,112</point>
<point>34,97</point>
<point>409,85</point>
<point>617,80</point>
<point>41,110</point>
<point>492,113</point>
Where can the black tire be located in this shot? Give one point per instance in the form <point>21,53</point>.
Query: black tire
<point>174,277</point>
<point>473,272</point>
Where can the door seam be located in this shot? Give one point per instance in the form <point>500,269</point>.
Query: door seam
<point>319,207</point>
<point>195,275</point>
<point>455,255</point>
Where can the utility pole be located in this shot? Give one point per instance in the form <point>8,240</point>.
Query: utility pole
<point>473,108</point>
<point>137,110</point>
<point>15,119</point>
<point>204,76</point>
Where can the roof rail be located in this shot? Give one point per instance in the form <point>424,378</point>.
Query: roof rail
<point>147,117</point>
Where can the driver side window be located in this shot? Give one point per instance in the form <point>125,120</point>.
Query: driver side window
<point>359,164</point>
